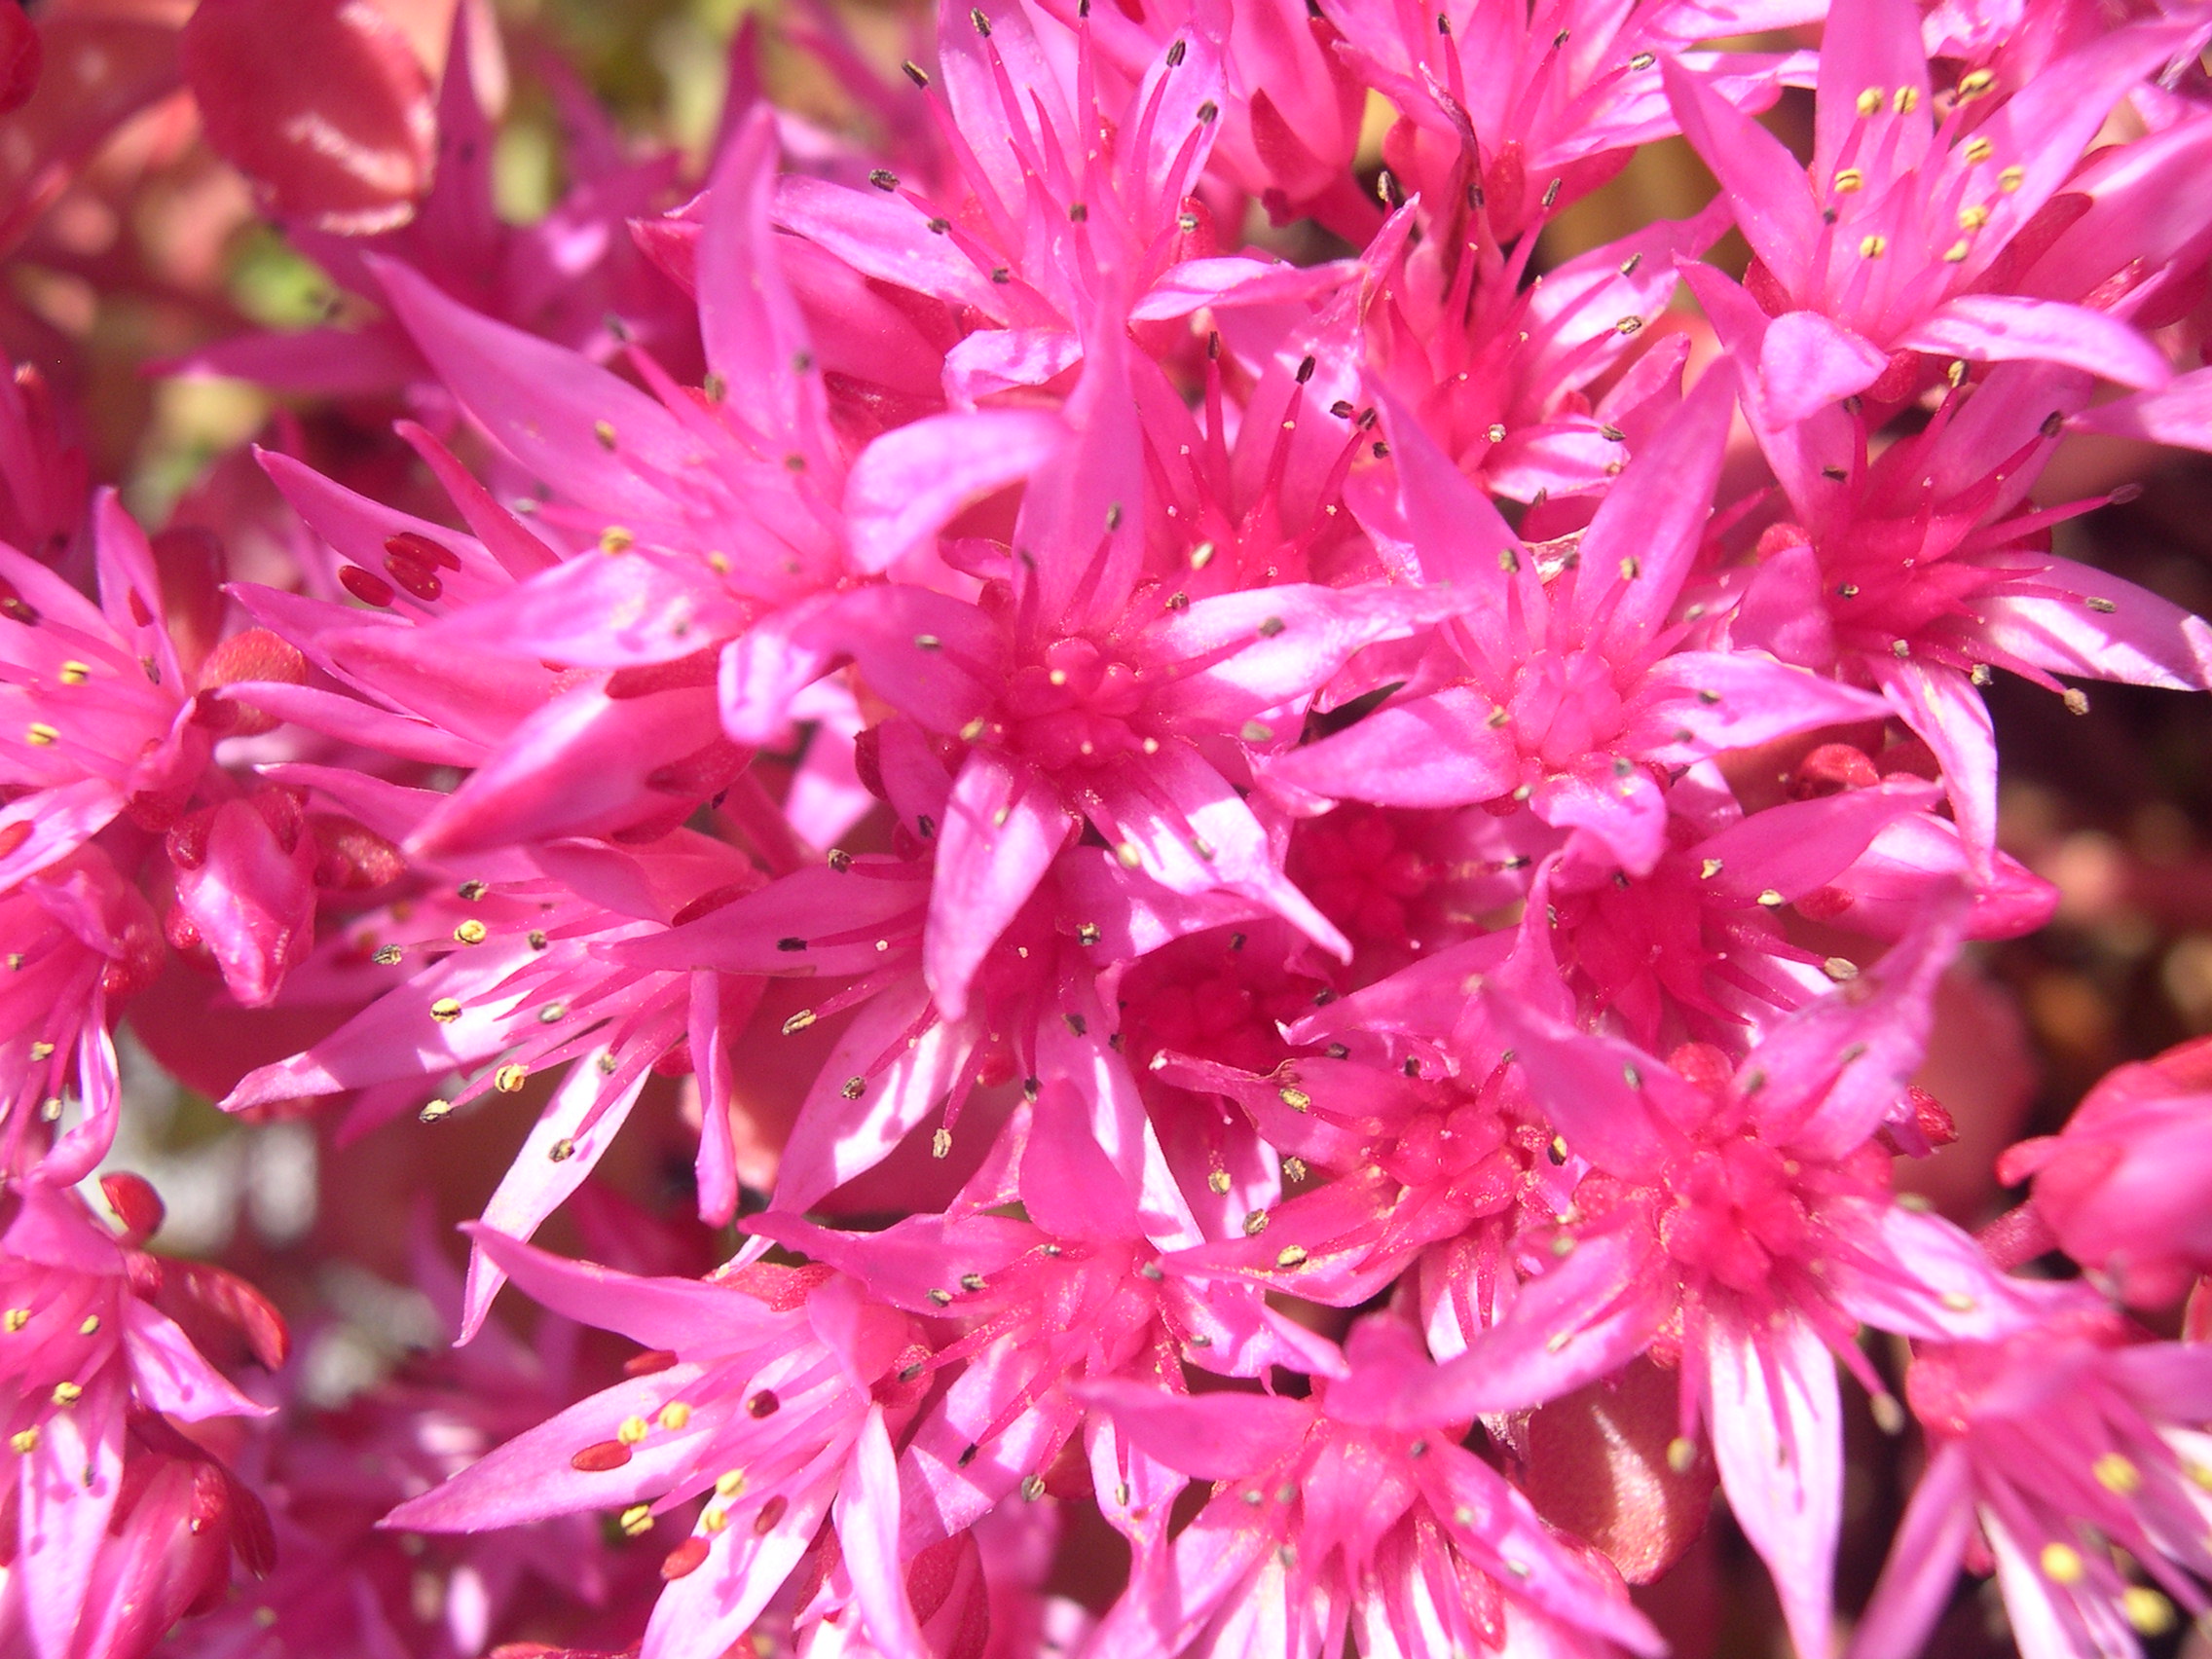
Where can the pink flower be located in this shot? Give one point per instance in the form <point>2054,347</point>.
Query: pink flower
<point>102,1515</point>
<point>1078,1292</point>
<point>1740,1215</point>
<point>1518,112</point>
<point>1896,242</point>
<point>1563,686</point>
<point>2072,1459</point>
<point>515,979</point>
<point>772,1404</point>
<point>2120,1186</point>
<point>1330,1519</point>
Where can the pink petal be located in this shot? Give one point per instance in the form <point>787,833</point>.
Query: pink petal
<point>868,1534</point>
<point>1623,811</point>
<point>915,479</point>
<point>1212,1436</point>
<point>2131,635</point>
<point>1797,847</point>
<point>1943,707</point>
<point>1735,700</point>
<point>2178,413</point>
<point>546,406</point>
<point>168,1374</point>
<point>1923,1566</point>
<point>1431,751</point>
<point>537,1184</point>
<point>601,612</point>
<point>1002,828</point>
<point>1653,521</point>
<point>1777,1427</point>
<point>68,1486</point>
<point>1806,362</point>
<point>749,320</point>
<point>1998,328</point>
<point>531,1476</point>
<point>1874,43</point>
<point>1765,185</point>
<point>835,1138</point>
<point>673,1313</point>
<point>1082,518</point>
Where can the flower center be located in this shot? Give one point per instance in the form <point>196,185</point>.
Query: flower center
<point>1072,707</point>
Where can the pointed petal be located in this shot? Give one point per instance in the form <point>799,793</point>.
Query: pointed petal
<point>1212,1436</point>
<point>2178,413</point>
<point>2102,626</point>
<point>915,479</point>
<point>834,1138</point>
<point>537,1182</point>
<point>168,1374</point>
<point>1999,328</point>
<point>1923,1566</point>
<point>1002,828</point>
<point>867,1532</point>
<point>1806,362</point>
<point>1777,1424</point>
<point>1431,751</point>
<point>672,1314</point>
<point>1831,1071</point>
<point>1944,708</point>
<point>749,320</point>
<point>1694,704</point>
<point>1765,185</point>
<point>1647,531</point>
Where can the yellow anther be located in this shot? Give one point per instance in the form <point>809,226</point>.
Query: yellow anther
<point>17,1318</point>
<point>1958,1301</point>
<point>1296,1100</point>
<point>604,431</point>
<point>90,1325</point>
<point>1291,1255</point>
<point>1870,101</point>
<point>74,673</point>
<point>433,1111</point>
<point>470,932</point>
<point>2011,178</point>
<point>68,1393</point>
<point>729,1483</point>
<point>1973,217</point>
<point>713,1521</point>
<point>615,539</point>
<point>1849,181</point>
<point>445,1011</point>
<point>632,1430</point>
<point>1681,1456</point>
<point>1975,84</point>
<point>1906,99</point>
<point>2061,1563</point>
<point>2117,1475</point>
<point>2150,1612</point>
<point>1956,253</point>
<point>509,1078</point>
<point>674,1416</point>
<point>25,1441</point>
<point>637,1520</point>
<point>940,1144</point>
<point>1218,1182</point>
<point>41,735</point>
<point>1872,247</point>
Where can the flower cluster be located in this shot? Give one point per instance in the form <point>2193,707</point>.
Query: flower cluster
<point>1274,859</point>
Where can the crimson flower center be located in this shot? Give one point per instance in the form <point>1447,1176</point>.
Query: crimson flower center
<point>1072,707</point>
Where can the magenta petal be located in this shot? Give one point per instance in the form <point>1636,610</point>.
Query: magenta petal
<point>1431,751</point>
<point>1998,328</point>
<point>1212,1436</point>
<point>601,612</point>
<point>531,1476</point>
<point>1696,703</point>
<point>1923,1566</point>
<point>1776,1426</point>
<point>2122,632</point>
<point>1622,810</point>
<point>1797,847</point>
<point>915,480</point>
<point>1765,185</point>
<point>749,320</point>
<point>168,1374</point>
<point>1002,828</point>
<point>1807,362</point>
<point>2178,413</point>
<point>1941,705</point>
<point>867,1535</point>
<point>836,1136</point>
<point>546,406</point>
<point>536,1183</point>
<point>68,1488</point>
<point>673,1313</point>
